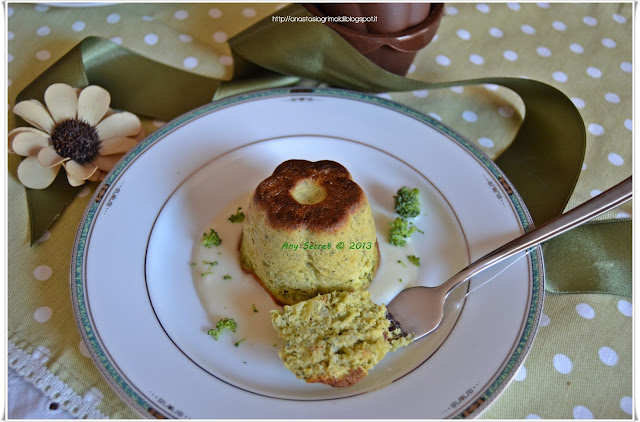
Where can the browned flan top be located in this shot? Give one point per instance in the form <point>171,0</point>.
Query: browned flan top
<point>343,197</point>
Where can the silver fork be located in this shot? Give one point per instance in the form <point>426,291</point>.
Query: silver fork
<point>420,310</point>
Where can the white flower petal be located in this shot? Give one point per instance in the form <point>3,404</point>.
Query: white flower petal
<point>35,113</point>
<point>48,157</point>
<point>62,102</point>
<point>74,182</point>
<point>116,145</point>
<point>93,103</point>
<point>79,171</point>
<point>15,132</point>
<point>119,125</point>
<point>29,143</point>
<point>34,176</point>
<point>106,162</point>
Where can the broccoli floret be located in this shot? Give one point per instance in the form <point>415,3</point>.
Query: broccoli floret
<point>407,203</point>
<point>414,259</point>
<point>211,239</point>
<point>400,230</point>
<point>228,323</point>
<point>226,277</point>
<point>238,217</point>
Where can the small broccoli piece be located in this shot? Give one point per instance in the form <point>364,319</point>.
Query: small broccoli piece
<point>210,263</point>
<point>211,239</point>
<point>226,277</point>
<point>400,230</point>
<point>414,259</point>
<point>238,217</point>
<point>402,263</point>
<point>254,308</point>
<point>237,343</point>
<point>227,323</point>
<point>406,202</point>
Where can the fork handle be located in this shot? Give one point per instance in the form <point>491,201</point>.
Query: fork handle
<point>600,204</point>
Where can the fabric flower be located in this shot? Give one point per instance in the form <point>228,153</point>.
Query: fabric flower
<point>76,130</point>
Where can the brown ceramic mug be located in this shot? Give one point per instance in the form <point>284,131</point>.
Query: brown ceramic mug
<point>393,40</point>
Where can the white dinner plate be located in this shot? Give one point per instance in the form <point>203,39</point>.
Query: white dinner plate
<point>145,292</point>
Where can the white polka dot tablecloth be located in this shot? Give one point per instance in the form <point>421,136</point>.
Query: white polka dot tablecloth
<point>580,364</point>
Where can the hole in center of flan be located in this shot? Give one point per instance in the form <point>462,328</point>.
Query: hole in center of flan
<point>308,192</point>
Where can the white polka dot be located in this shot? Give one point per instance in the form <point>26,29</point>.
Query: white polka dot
<point>147,18</point>
<point>226,60</point>
<point>78,26</point>
<point>43,314</point>
<point>581,412</point>
<point>41,8</point>
<point>435,116</point>
<point>521,374</point>
<point>623,215</point>
<point>626,67</point>
<point>491,87</point>
<point>532,416</point>
<point>181,14</point>
<point>482,7</point>
<point>451,11</point>
<point>615,159</point>
<point>10,35</point>
<point>422,93</point>
<point>248,12</point>
<point>43,55</point>
<point>117,40</point>
<point>576,48</point>
<point>151,39</point>
<point>590,20</point>
<point>215,12</point>
<point>463,33</point>
<point>10,11</point>
<point>85,191</point>
<point>544,320</point>
<point>624,306</point>
<point>543,51</point>
<point>113,18</point>
<point>495,32</point>
<point>43,31</point>
<point>626,405</point>
<point>513,6</point>
<point>543,5</point>
<point>158,123</point>
<point>559,26</point>
<point>384,95</point>
<point>562,363</point>
<point>476,59</point>
<point>45,236</point>
<point>469,116</point>
<point>594,72</point>
<point>612,98</point>
<point>443,60</point>
<point>596,129</point>
<point>42,272</point>
<point>628,124</point>
<point>510,55</point>
<point>412,68</point>
<point>190,62</point>
<point>219,36</point>
<point>435,38</point>
<point>84,351</point>
<point>457,89</point>
<point>585,311</point>
<point>486,142</point>
<point>608,356</point>
<point>93,397</point>
<point>528,29</point>
<point>185,37</point>
<point>506,111</point>
<point>595,192</point>
<point>584,167</point>
<point>560,76</point>
<point>578,102</point>
<point>608,42</point>
<point>9,57</point>
<point>619,18</point>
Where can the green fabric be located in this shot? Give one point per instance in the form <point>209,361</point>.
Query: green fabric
<point>602,390</point>
<point>593,258</point>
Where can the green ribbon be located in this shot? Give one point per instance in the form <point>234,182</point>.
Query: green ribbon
<point>543,161</point>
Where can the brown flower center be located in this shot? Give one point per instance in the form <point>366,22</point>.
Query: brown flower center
<point>76,139</point>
